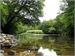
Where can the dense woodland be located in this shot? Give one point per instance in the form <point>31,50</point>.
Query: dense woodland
<point>18,16</point>
<point>19,12</point>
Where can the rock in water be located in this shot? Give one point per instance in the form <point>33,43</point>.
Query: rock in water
<point>8,39</point>
<point>1,53</point>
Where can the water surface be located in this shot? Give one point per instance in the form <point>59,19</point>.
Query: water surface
<point>62,45</point>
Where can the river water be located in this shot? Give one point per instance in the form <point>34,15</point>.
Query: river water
<point>62,46</point>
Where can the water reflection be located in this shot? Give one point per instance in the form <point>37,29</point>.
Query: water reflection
<point>46,52</point>
<point>61,45</point>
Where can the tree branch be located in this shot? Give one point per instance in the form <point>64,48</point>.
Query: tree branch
<point>13,17</point>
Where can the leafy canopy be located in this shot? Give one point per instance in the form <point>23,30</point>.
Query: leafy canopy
<point>26,11</point>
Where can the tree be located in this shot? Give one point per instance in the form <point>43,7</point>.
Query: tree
<point>48,27</point>
<point>68,18</point>
<point>19,10</point>
<point>59,23</point>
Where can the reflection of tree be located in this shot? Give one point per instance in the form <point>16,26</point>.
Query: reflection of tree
<point>46,37</point>
<point>47,42</point>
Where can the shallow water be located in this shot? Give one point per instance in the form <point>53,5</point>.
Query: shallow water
<point>46,52</point>
<point>63,46</point>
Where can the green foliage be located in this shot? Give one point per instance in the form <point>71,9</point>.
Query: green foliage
<point>69,18</point>
<point>63,23</point>
<point>35,31</point>
<point>26,11</point>
<point>50,27</point>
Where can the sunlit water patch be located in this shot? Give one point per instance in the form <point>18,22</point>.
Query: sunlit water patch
<point>46,52</point>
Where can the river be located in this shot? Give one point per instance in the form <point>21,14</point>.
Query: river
<point>63,46</point>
